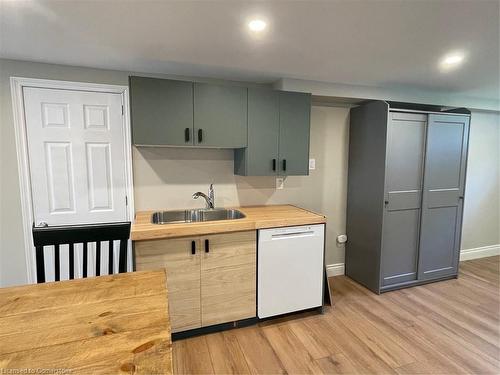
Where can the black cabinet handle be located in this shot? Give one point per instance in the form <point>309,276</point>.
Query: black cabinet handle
<point>200,135</point>
<point>284,164</point>
<point>193,247</point>
<point>207,246</point>
<point>274,164</point>
<point>386,202</point>
<point>186,135</point>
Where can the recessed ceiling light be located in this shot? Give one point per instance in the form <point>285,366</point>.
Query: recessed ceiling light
<point>257,25</point>
<point>451,60</point>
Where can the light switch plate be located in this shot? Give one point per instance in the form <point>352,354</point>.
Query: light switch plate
<point>280,183</point>
<point>312,164</point>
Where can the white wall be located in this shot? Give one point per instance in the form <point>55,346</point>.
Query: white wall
<point>481,224</point>
<point>166,178</point>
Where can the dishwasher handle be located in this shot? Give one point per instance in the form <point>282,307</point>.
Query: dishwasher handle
<point>306,233</point>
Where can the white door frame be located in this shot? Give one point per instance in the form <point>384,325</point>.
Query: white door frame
<point>17,84</point>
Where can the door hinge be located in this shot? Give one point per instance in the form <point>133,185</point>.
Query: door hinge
<point>126,200</point>
<point>122,110</point>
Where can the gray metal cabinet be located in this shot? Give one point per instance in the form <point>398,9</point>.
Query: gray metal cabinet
<point>444,184</point>
<point>161,112</point>
<point>278,134</point>
<point>260,157</point>
<point>295,113</point>
<point>220,116</point>
<point>405,194</point>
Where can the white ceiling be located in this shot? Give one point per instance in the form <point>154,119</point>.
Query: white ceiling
<point>383,43</point>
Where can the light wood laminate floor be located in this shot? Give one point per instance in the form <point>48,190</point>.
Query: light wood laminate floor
<point>449,327</point>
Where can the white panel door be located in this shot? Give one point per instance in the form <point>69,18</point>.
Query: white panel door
<point>76,147</point>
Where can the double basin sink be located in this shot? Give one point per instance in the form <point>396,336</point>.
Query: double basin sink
<point>195,216</point>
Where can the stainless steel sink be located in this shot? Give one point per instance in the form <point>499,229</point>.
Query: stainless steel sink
<point>195,216</point>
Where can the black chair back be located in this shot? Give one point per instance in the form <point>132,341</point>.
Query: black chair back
<point>85,234</point>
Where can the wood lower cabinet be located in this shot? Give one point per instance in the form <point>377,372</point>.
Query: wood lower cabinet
<point>228,278</point>
<point>210,279</point>
<point>183,276</point>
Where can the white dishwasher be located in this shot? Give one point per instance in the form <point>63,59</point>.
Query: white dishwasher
<point>290,266</point>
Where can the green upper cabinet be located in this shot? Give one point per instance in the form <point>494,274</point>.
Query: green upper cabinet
<point>260,158</point>
<point>295,118</point>
<point>268,129</point>
<point>161,112</point>
<point>278,134</point>
<point>220,116</point>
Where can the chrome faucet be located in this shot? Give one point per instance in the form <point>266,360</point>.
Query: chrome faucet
<point>210,199</point>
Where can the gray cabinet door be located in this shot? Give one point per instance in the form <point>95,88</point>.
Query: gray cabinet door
<point>442,206</point>
<point>161,111</point>
<point>263,132</point>
<point>220,116</point>
<point>403,191</point>
<point>295,117</point>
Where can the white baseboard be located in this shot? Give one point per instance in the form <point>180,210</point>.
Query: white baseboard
<point>337,269</point>
<point>480,252</point>
<point>334,269</point>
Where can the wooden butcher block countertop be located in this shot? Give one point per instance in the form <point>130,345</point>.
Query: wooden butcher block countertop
<point>117,324</point>
<point>256,217</point>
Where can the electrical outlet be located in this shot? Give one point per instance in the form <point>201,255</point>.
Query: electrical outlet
<point>312,164</point>
<point>280,183</point>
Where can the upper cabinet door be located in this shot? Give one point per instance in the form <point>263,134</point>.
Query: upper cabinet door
<point>220,116</point>
<point>295,115</point>
<point>442,202</point>
<point>161,111</point>
<point>263,132</point>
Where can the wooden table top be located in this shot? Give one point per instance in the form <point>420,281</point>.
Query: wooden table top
<point>103,325</point>
<point>256,217</point>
